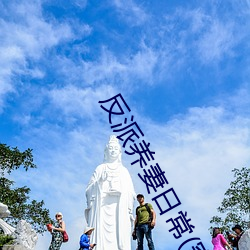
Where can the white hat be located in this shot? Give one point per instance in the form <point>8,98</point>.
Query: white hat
<point>59,213</point>
<point>88,229</point>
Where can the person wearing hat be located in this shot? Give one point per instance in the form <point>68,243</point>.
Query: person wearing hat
<point>56,231</point>
<point>239,231</point>
<point>85,239</point>
<point>144,223</point>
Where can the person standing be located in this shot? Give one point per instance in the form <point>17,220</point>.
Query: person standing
<point>143,225</point>
<point>85,239</point>
<point>56,231</point>
<point>218,240</point>
<point>238,230</point>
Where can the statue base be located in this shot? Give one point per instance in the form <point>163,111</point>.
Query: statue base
<point>12,247</point>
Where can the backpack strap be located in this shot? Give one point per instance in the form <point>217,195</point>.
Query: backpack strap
<point>137,210</point>
<point>147,207</point>
<point>149,212</point>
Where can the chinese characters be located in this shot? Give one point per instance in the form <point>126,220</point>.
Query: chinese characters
<point>132,137</point>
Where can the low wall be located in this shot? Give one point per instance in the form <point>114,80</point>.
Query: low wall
<point>13,247</point>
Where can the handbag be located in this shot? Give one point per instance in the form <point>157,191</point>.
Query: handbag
<point>65,236</point>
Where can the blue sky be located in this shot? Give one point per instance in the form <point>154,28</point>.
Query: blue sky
<point>183,68</point>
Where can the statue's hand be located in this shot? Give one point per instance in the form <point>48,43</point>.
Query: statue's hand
<point>90,202</point>
<point>132,217</point>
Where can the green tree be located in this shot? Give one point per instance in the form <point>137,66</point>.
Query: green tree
<point>17,199</point>
<point>235,206</point>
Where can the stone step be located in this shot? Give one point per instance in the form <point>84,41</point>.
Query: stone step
<point>12,247</point>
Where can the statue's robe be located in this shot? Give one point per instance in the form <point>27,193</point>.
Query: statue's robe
<point>110,198</point>
<point>244,242</point>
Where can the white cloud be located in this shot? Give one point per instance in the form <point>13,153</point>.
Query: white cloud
<point>10,58</point>
<point>25,35</point>
<point>198,19</point>
<point>131,12</point>
<point>143,64</point>
<point>123,70</point>
<point>80,102</point>
<point>32,33</point>
<point>80,3</point>
<point>217,42</point>
<point>240,101</point>
<point>200,33</point>
<point>198,152</point>
<point>105,69</point>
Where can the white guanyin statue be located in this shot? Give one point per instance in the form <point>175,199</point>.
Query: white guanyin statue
<point>23,234</point>
<point>4,212</point>
<point>110,197</point>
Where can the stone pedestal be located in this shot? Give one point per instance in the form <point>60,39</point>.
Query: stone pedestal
<point>13,247</point>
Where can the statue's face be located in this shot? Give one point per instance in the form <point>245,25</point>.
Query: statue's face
<point>113,151</point>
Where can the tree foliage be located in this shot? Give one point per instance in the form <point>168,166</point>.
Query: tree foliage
<point>13,158</point>
<point>6,239</point>
<point>235,207</point>
<point>17,199</point>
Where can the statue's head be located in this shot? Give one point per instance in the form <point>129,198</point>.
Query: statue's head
<point>4,211</point>
<point>112,150</point>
